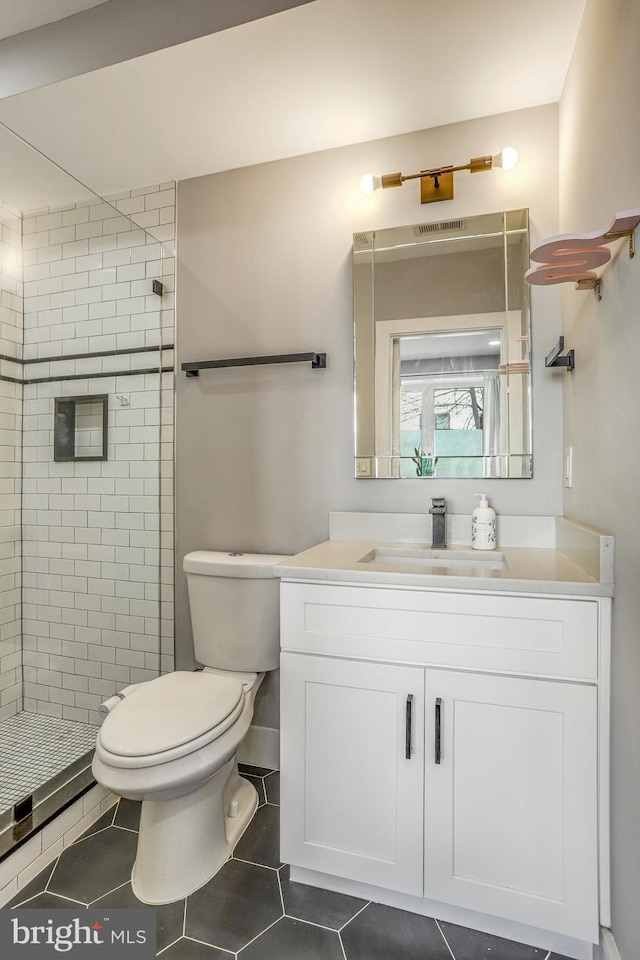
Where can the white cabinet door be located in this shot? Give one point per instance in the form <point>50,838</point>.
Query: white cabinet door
<point>351,798</point>
<point>511,812</point>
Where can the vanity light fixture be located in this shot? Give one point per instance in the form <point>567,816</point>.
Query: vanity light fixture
<point>437,183</point>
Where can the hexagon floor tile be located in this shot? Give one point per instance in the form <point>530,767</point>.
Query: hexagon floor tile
<point>260,842</point>
<point>324,907</point>
<point>251,910</point>
<point>294,940</point>
<point>76,876</point>
<point>235,906</point>
<point>379,932</point>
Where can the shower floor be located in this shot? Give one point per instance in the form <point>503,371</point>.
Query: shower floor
<point>34,749</point>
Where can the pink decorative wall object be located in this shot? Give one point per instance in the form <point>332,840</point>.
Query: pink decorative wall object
<point>574,257</point>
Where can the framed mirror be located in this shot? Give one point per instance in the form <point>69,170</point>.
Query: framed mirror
<point>442,358</point>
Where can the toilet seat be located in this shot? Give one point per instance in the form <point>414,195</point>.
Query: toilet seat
<point>169,717</point>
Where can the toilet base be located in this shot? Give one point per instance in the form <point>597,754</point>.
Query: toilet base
<point>183,842</point>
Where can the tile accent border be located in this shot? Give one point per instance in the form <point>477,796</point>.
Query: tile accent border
<point>85,356</point>
<point>25,381</point>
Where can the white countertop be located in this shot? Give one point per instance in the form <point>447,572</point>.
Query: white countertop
<point>527,569</point>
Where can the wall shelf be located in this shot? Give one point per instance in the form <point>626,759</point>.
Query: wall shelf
<point>575,257</point>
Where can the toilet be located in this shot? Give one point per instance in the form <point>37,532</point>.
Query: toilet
<point>172,742</point>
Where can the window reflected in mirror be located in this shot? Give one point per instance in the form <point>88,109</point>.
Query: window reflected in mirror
<point>450,401</point>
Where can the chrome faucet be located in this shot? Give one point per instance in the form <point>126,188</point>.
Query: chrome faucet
<point>439,513</point>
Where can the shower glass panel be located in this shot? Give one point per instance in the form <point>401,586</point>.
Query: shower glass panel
<point>85,542</point>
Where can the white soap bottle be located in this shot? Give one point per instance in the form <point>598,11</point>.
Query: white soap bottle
<point>483,525</point>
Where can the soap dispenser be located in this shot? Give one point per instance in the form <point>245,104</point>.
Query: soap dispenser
<point>483,525</point>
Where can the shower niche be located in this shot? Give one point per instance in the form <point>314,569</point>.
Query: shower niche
<point>80,428</point>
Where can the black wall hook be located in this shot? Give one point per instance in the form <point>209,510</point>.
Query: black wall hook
<point>554,359</point>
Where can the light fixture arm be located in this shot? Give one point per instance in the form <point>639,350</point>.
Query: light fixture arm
<point>437,182</point>
<point>475,165</point>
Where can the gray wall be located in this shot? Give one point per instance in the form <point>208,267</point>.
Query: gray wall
<point>599,176</point>
<point>264,267</point>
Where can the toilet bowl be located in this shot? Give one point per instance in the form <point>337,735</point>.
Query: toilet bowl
<point>172,742</point>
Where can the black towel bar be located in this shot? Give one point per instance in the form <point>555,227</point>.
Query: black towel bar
<point>318,362</point>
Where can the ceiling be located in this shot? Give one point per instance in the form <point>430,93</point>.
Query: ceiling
<point>16,16</point>
<point>323,75</point>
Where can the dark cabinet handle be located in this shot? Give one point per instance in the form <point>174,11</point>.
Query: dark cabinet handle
<point>407,729</point>
<point>438,720</point>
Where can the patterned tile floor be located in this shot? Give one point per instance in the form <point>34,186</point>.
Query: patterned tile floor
<point>34,748</point>
<point>251,910</point>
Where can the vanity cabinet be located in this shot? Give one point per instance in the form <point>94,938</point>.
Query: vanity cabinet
<point>510,808</point>
<point>445,745</point>
<point>354,802</point>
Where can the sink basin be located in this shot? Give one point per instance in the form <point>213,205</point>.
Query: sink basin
<point>424,558</point>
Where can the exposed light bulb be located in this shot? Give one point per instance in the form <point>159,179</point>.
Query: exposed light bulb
<point>369,182</point>
<point>507,158</point>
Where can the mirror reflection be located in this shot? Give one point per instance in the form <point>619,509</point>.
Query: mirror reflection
<point>442,372</point>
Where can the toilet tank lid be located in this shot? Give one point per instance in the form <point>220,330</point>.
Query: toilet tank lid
<point>209,563</point>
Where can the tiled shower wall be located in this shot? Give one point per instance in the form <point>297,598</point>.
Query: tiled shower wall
<point>10,455</point>
<point>98,535</point>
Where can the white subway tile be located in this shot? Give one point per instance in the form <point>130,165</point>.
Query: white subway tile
<point>90,231</point>
<point>75,281</point>
<point>62,234</point>
<point>75,215</point>
<point>131,205</point>
<point>101,244</point>
<point>20,860</point>
<point>103,211</point>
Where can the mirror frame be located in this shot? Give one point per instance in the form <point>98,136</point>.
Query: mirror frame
<point>377,458</point>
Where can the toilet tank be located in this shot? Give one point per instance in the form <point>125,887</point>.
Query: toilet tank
<point>235,609</point>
